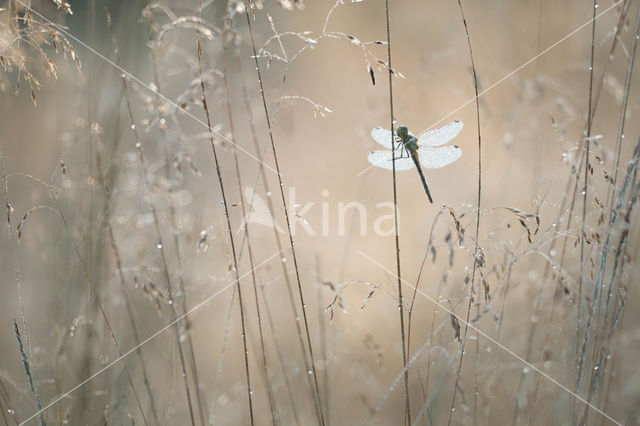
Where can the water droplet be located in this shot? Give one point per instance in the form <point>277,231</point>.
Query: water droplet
<point>133,127</point>
<point>138,145</point>
<point>309,372</point>
<point>123,75</point>
<point>159,245</point>
<point>284,260</point>
<point>268,193</point>
<point>170,302</point>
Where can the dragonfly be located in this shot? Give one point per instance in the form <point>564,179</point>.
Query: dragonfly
<point>425,151</point>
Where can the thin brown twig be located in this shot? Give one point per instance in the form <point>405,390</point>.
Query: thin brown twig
<point>585,190</point>
<point>229,230</point>
<point>477,230</point>
<point>285,273</point>
<point>318,401</point>
<point>225,59</point>
<point>407,407</point>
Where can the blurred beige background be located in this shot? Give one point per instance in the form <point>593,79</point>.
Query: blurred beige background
<point>532,126</point>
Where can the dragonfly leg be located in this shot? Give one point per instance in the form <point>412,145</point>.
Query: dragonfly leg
<point>404,153</point>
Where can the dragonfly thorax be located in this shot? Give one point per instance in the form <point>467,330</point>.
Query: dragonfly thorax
<point>405,138</point>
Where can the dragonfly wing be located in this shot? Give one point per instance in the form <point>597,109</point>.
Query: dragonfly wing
<point>442,135</point>
<point>382,136</point>
<point>434,158</point>
<point>384,159</point>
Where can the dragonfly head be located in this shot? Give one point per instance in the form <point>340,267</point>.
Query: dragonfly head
<point>402,132</point>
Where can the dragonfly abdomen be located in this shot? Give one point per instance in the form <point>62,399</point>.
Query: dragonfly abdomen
<point>414,156</point>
